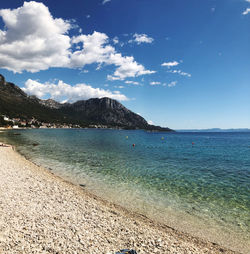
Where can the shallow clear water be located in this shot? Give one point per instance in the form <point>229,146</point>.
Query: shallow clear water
<point>202,188</point>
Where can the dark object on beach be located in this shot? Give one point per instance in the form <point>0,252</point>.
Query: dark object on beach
<point>126,251</point>
<point>3,145</point>
<point>82,185</point>
<point>35,144</point>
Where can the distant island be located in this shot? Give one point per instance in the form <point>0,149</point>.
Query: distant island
<point>17,109</point>
<point>216,130</point>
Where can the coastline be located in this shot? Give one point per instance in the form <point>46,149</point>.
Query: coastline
<point>44,213</point>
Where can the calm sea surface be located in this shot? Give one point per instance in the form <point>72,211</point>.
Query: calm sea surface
<point>202,188</point>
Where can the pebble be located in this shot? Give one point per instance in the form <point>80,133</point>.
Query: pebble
<point>41,213</point>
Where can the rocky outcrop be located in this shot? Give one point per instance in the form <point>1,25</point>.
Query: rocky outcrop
<point>51,103</point>
<point>2,80</point>
<point>106,111</point>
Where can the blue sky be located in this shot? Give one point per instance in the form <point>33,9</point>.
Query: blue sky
<point>181,64</point>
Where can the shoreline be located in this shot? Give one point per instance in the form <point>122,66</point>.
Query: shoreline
<point>109,227</point>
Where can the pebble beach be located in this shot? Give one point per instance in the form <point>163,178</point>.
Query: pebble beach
<point>42,213</point>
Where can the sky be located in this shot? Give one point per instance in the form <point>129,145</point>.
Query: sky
<point>179,64</point>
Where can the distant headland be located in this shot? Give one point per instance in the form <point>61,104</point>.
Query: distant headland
<point>215,130</point>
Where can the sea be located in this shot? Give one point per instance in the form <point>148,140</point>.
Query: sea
<point>198,183</point>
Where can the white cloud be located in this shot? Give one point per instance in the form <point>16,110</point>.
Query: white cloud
<point>127,67</point>
<point>182,73</point>
<point>65,92</point>
<point>105,1</point>
<point>150,122</point>
<point>34,41</point>
<point>171,84</point>
<point>246,11</point>
<point>99,66</point>
<point>115,40</point>
<point>93,49</point>
<point>112,78</point>
<point>154,83</point>
<point>170,64</point>
<point>85,71</point>
<point>132,82</point>
<point>141,38</point>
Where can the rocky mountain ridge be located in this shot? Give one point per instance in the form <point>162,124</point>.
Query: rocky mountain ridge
<point>14,102</point>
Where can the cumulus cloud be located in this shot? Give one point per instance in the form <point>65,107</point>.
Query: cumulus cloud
<point>93,48</point>
<point>170,64</point>
<point>127,67</point>
<point>150,122</point>
<point>182,73</point>
<point>66,93</point>
<point>154,83</point>
<point>141,38</point>
<point>246,11</point>
<point>33,40</point>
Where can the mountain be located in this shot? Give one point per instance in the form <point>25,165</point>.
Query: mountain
<point>15,103</point>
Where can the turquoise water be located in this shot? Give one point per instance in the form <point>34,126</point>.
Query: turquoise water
<point>202,188</point>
